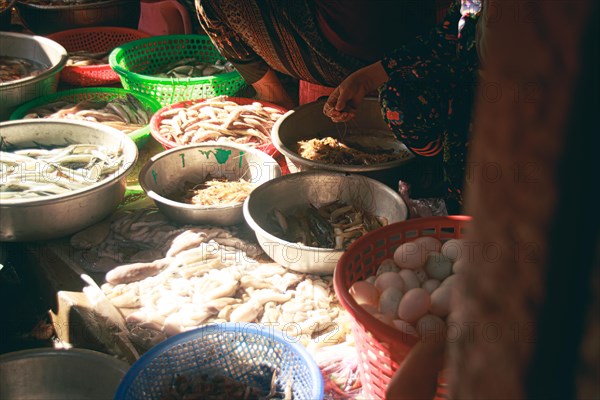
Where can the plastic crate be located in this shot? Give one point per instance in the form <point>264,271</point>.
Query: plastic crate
<point>140,136</point>
<point>136,61</point>
<point>95,40</point>
<point>382,348</point>
<point>247,353</point>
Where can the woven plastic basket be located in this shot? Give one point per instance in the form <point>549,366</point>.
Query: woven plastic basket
<point>140,136</point>
<point>267,148</point>
<point>95,40</point>
<point>137,61</point>
<point>380,347</point>
<point>247,353</point>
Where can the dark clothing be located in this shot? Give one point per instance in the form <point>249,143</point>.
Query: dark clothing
<point>429,98</point>
<point>319,41</point>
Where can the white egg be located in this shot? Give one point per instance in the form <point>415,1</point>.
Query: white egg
<point>389,300</point>
<point>431,325</point>
<point>405,327</point>
<point>440,301</point>
<point>410,279</point>
<point>409,255</point>
<point>460,266</point>
<point>386,319</point>
<point>365,293</point>
<point>428,244</point>
<point>449,281</point>
<point>414,304</point>
<point>453,249</point>
<point>421,275</point>
<point>387,265</point>
<point>430,285</point>
<point>438,266</point>
<point>389,279</point>
<point>371,280</point>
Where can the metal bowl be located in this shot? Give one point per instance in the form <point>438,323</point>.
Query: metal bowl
<point>34,48</point>
<point>61,215</point>
<point>51,374</point>
<point>44,19</point>
<point>289,192</point>
<point>167,171</point>
<point>308,122</point>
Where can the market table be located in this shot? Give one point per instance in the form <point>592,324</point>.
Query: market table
<point>82,317</point>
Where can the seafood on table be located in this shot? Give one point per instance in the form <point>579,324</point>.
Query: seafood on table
<point>221,387</point>
<point>219,119</point>
<point>43,171</point>
<point>15,68</point>
<point>84,58</point>
<point>213,191</point>
<point>334,225</point>
<point>193,68</point>
<point>353,147</point>
<point>125,113</point>
<point>166,279</point>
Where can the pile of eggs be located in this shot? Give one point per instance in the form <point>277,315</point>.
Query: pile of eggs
<point>411,291</point>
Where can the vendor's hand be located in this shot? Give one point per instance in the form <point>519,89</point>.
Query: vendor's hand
<point>417,377</point>
<point>344,101</point>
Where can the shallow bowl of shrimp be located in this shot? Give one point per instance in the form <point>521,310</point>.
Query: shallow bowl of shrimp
<point>364,145</point>
<point>306,220</point>
<point>58,177</point>
<point>206,183</point>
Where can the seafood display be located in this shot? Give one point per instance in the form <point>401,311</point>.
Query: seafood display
<point>127,114</point>
<point>85,58</point>
<point>166,280</point>
<point>213,192</point>
<point>353,148</point>
<point>334,226</point>
<point>38,172</point>
<point>14,68</point>
<point>192,68</point>
<point>220,120</point>
<point>219,387</point>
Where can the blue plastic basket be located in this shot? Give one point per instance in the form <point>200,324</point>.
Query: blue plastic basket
<point>247,353</point>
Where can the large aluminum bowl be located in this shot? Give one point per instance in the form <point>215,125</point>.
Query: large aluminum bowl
<point>308,121</point>
<point>51,374</point>
<point>34,48</point>
<point>289,192</point>
<point>61,215</point>
<point>44,19</point>
<point>167,171</point>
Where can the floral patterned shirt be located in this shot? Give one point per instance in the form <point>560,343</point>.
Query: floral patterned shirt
<point>428,99</point>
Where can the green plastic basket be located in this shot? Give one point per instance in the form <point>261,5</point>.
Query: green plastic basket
<point>140,136</point>
<point>136,61</point>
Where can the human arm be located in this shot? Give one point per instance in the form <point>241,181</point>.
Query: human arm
<point>344,101</point>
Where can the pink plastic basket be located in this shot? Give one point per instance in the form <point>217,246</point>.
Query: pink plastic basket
<point>381,348</point>
<point>94,40</point>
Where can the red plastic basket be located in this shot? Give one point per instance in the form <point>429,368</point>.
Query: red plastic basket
<point>381,348</point>
<point>267,148</point>
<point>94,40</point>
